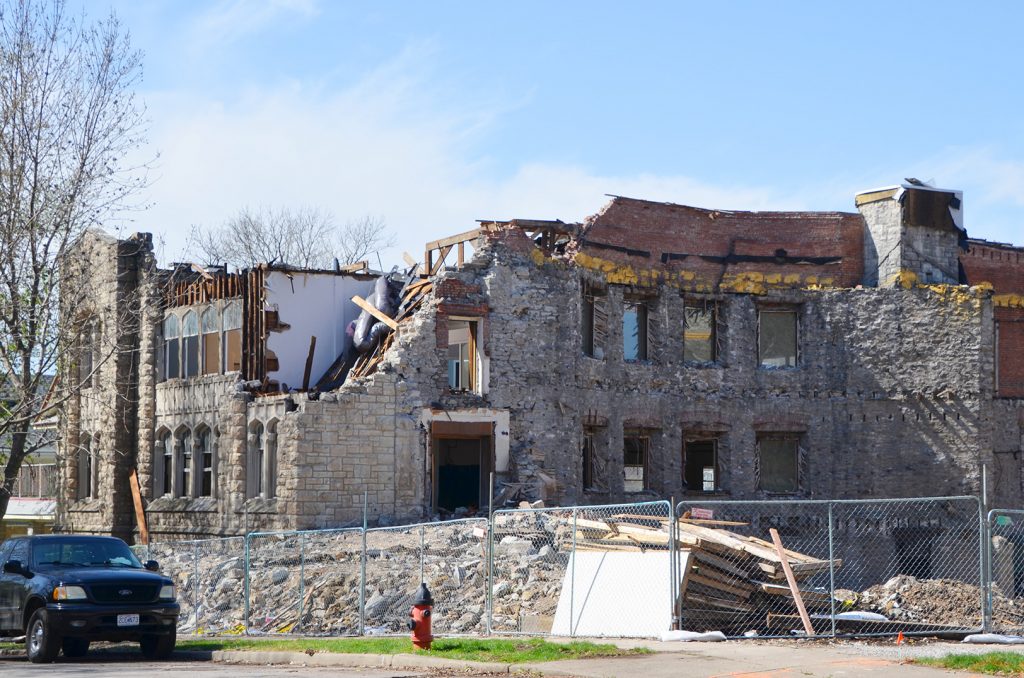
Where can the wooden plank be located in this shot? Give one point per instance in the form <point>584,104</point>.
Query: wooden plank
<point>720,586</point>
<point>415,265</point>
<point>140,512</point>
<point>309,363</point>
<point>721,603</point>
<point>812,597</point>
<point>441,254</point>
<point>721,563</point>
<point>355,267</point>
<point>732,580</point>
<point>783,621</point>
<point>455,239</point>
<point>792,582</point>
<point>369,308</point>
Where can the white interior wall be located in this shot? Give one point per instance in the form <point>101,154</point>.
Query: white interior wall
<point>313,304</point>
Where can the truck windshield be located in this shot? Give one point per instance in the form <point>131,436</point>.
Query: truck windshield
<point>82,552</point>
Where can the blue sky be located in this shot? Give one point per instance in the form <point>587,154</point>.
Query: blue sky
<point>434,114</point>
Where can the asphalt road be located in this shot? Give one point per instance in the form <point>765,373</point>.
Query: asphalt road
<point>132,667</point>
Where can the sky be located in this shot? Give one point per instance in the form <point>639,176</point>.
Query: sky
<point>432,115</point>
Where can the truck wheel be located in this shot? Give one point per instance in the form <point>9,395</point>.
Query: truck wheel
<point>42,643</point>
<point>158,647</point>
<point>75,647</point>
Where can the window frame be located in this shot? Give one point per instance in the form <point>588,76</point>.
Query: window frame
<point>708,306</point>
<point>645,436</point>
<point>472,348</point>
<point>594,305</point>
<point>700,437</point>
<point>795,311</point>
<point>643,326</point>
<point>797,440</point>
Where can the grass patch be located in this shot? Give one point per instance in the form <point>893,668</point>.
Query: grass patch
<point>508,651</point>
<point>992,663</point>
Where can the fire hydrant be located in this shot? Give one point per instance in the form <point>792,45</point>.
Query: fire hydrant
<point>420,622</point>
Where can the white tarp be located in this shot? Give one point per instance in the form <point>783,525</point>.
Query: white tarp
<point>624,594</point>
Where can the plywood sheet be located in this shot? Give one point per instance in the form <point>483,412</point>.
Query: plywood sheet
<point>624,594</point>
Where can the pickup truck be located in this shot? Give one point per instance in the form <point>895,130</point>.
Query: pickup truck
<point>64,591</point>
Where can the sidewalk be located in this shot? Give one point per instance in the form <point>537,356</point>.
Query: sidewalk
<point>733,659</point>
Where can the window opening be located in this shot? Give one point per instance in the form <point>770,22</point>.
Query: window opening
<point>85,468</point>
<point>211,341</point>
<point>700,465</point>
<point>254,470</point>
<point>233,337</point>
<point>165,468</point>
<point>462,355</point>
<point>778,464</point>
<point>588,457</point>
<point>204,455</point>
<point>184,449</point>
<point>634,330</point>
<point>190,344</point>
<point>635,448</point>
<point>270,461</point>
<point>85,355</point>
<point>699,333</point>
<point>172,347</point>
<point>777,338</point>
<point>595,322</point>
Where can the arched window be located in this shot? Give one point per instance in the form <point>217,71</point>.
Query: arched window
<point>233,337</point>
<point>183,463</point>
<point>204,461</point>
<point>86,351</point>
<point>190,344</point>
<point>270,461</point>
<point>84,471</point>
<point>254,468</point>
<point>172,347</point>
<point>210,322</point>
<point>163,464</point>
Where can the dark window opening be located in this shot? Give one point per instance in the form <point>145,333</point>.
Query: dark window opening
<point>462,465</point>
<point>700,465</point>
<point>588,458</point>
<point>595,323</point>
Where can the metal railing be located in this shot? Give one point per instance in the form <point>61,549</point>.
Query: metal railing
<point>861,567</point>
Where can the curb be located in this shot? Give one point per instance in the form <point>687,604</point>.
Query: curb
<point>398,661</point>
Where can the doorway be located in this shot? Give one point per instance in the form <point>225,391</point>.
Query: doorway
<point>463,459</point>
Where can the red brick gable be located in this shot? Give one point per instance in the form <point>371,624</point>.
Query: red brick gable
<point>711,243</point>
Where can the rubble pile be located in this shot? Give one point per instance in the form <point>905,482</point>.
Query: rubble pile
<point>937,601</point>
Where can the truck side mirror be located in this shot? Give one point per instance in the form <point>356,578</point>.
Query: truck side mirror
<point>13,567</point>
<point>151,565</point>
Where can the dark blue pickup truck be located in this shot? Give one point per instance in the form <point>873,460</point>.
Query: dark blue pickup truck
<point>63,591</point>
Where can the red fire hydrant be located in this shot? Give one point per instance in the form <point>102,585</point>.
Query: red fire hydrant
<point>420,622</point>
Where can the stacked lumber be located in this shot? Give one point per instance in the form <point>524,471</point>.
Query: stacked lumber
<point>728,581</point>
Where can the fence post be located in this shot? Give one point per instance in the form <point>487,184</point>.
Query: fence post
<point>489,598</point>
<point>572,579</point>
<point>302,579</point>
<point>362,573</point>
<point>672,564</point>
<point>245,621</point>
<point>195,586</point>
<point>985,528</point>
<point>422,552</point>
<point>831,569</point>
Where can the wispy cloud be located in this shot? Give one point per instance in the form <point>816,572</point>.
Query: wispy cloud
<point>230,20</point>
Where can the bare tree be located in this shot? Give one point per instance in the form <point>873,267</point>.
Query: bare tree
<point>68,119</point>
<point>300,237</point>
<point>305,237</point>
<point>360,238</point>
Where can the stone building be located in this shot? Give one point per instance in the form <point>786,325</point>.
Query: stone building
<point>653,350</point>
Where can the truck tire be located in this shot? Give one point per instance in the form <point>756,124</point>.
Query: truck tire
<point>40,640</point>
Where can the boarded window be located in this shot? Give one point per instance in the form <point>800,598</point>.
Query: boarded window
<point>172,347</point>
<point>1009,365</point>
<point>778,464</point>
<point>462,355</point>
<point>700,465</point>
<point>233,337</point>
<point>635,453</point>
<point>595,323</point>
<point>777,338</point>
<point>699,333</point>
<point>211,341</point>
<point>588,458</point>
<point>634,330</point>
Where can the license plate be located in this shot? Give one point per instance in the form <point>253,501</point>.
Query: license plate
<point>127,620</point>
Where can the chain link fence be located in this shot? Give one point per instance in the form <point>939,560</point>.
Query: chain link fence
<point>1005,565</point>
<point>862,567</point>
